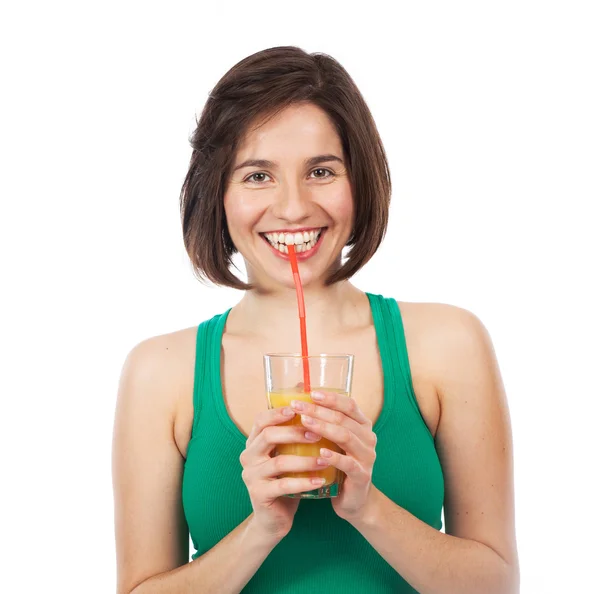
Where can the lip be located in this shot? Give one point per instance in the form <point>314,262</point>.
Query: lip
<point>303,255</point>
<point>298,230</point>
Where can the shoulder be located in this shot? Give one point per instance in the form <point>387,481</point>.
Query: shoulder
<point>443,318</point>
<point>159,369</point>
<point>454,338</point>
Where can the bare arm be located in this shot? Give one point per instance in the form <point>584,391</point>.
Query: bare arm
<point>150,527</point>
<point>478,553</point>
<point>431,561</point>
<point>225,569</point>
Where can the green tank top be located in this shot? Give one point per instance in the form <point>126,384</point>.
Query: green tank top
<point>407,470</point>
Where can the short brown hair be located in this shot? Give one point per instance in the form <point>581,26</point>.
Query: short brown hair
<point>262,85</point>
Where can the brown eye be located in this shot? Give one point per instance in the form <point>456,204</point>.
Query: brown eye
<point>252,178</point>
<point>320,169</point>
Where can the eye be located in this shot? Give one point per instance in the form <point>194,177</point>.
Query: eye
<point>321,169</point>
<point>254,181</point>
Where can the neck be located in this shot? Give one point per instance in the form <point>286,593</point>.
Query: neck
<point>328,310</point>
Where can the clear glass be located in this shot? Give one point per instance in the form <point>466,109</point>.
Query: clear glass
<point>284,378</point>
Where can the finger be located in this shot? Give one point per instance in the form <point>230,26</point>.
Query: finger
<point>290,486</point>
<point>342,436</point>
<point>350,466</point>
<point>328,415</point>
<point>270,437</point>
<point>344,404</point>
<point>285,463</point>
<point>266,418</point>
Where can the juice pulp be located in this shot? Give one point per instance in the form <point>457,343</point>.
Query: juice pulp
<point>284,398</point>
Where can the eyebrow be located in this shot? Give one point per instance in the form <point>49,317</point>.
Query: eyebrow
<point>308,162</point>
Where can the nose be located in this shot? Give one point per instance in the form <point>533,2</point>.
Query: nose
<point>292,203</point>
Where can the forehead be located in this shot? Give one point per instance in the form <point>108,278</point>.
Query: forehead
<point>293,132</point>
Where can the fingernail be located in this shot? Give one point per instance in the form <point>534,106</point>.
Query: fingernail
<point>322,462</point>
<point>287,411</point>
<point>308,420</point>
<point>311,435</point>
<point>297,404</point>
<point>325,453</point>
<point>317,395</point>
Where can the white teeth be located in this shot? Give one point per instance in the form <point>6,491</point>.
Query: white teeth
<point>302,240</point>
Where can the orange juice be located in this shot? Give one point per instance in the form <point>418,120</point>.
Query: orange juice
<point>284,398</point>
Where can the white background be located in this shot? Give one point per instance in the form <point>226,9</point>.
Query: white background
<point>489,113</point>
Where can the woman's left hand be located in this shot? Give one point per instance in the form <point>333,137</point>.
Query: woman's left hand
<point>338,419</point>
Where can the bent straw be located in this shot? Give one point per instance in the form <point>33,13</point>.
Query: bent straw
<point>301,314</point>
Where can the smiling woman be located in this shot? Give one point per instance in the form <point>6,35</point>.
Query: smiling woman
<point>326,125</point>
<point>287,153</point>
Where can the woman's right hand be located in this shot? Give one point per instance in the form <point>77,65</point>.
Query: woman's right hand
<point>274,514</point>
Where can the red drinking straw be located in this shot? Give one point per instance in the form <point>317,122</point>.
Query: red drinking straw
<point>301,314</point>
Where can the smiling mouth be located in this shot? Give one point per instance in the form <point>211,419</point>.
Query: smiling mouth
<point>303,241</point>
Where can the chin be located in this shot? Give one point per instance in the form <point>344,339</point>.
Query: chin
<point>274,283</point>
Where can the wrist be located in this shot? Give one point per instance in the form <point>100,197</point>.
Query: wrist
<point>370,513</point>
<point>259,537</point>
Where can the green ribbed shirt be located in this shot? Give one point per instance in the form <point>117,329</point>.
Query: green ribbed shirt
<point>322,552</point>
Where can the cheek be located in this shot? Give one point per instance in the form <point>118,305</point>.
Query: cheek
<point>341,205</point>
<point>240,210</point>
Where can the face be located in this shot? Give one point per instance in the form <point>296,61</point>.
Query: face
<point>289,184</point>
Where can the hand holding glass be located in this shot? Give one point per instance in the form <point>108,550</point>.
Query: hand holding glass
<point>284,382</point>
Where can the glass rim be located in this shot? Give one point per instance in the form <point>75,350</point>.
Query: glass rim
<point>300,356</point>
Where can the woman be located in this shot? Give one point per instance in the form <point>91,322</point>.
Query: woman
<point>285,144</point>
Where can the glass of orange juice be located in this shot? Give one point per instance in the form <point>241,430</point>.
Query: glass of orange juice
<point>284,377</point>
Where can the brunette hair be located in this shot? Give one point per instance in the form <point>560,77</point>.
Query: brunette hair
<point>262,85</point>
